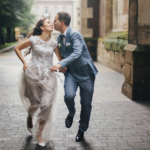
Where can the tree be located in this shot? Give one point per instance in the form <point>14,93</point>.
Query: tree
<point>15,13</point>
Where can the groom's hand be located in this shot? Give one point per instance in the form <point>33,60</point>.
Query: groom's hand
<point>63,70</point>
<point>56,67</point>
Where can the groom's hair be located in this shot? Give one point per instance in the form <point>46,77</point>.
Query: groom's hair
<point>65,17</point>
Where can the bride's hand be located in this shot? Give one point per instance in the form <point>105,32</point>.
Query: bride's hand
<point>25,66</point>
<point>63,70</point>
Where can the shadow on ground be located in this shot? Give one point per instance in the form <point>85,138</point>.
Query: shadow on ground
<point>30,145</point>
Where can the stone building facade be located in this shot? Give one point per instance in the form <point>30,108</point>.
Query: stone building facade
<point>137,52</point>
<point>49,9</point>
<point>100,17</point>
<point>118,33</point>
<point>89,18</point>
<point>113,33</point>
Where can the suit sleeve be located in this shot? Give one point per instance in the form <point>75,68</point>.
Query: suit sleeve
<point>77,50</point>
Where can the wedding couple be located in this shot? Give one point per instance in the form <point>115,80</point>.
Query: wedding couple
<point>38,84</point>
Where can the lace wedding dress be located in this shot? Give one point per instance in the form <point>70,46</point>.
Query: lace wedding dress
<point>38,86</point>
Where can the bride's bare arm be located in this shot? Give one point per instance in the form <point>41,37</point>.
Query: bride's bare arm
<point>57,52</point>
<point>20,47</point>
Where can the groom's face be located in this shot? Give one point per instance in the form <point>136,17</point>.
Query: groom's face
<point>57,23</point>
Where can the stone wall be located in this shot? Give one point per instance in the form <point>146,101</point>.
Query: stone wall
<point>102,19</point>
<point>108,16</point>
<point>111,52</point>
<point>113,18</point>
<point>137,52</point>
<point>105,17</point>
<point>139,22</point>
<point>120,15</point>
<point>137,72</point>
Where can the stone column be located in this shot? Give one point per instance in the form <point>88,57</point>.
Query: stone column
<point>137,52</point>
<point>90,18</point>
<point>102,19</point>
<point>86,13</point>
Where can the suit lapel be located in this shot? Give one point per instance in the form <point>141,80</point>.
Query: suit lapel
<point>67,39</point>
<point>61,42</point>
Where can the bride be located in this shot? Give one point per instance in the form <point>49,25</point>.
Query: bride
<point>38,85</point>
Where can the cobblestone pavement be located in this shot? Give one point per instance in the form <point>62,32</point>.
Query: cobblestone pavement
<point>117,123</point>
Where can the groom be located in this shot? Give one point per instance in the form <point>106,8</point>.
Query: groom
<point>81,72</point>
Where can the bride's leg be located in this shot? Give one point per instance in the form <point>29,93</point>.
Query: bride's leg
<point>41,127</point>
<point>29,121</point>
<point>31,110</point>
<point>44,116</point>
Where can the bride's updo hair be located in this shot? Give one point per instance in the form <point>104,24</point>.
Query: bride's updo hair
<point>35,31</point>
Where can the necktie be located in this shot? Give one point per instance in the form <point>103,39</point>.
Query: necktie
<point>63,38</point>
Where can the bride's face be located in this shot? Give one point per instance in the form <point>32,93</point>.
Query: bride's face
<point>47,25</point>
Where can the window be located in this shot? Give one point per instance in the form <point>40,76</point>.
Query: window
<point>65,9</point>
<point>55,10</point>
<point>36,10</point>
<point>46,10</point>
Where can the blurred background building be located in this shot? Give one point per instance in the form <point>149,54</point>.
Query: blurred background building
<point>50,8</point>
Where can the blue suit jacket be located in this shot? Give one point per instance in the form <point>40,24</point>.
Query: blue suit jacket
<point>76,56</point>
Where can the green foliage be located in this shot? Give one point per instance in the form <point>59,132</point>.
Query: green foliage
<point>16,13</point>
<point>118,35</point>
<point>116,41</point>
<point>7,45</point>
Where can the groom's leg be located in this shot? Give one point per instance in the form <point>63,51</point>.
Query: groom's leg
<point>86,93</point>
<point>70,87</point>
